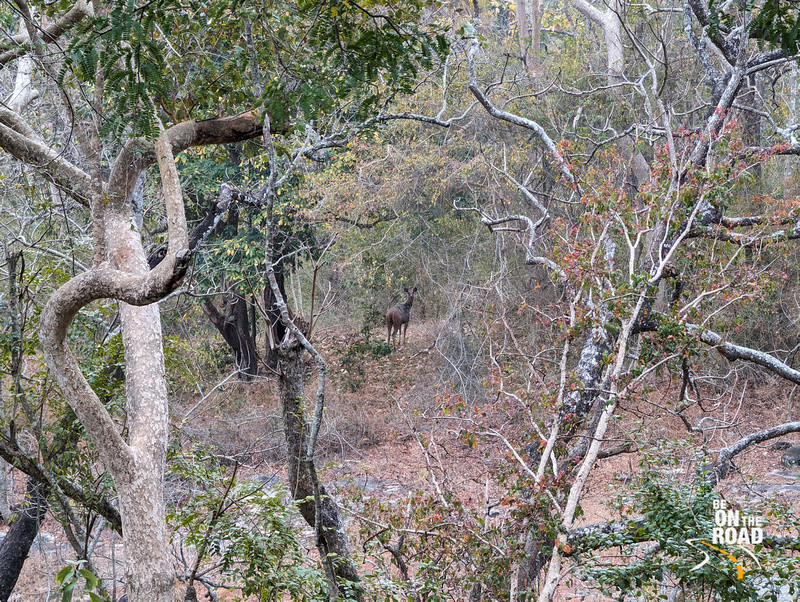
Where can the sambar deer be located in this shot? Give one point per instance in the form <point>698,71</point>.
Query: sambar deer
<point>398,316</point>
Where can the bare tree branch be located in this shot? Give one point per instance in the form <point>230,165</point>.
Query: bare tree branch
<point>724,465</point>
<point>11,453</point>
<point>523,122</point>
<point>736,352</point>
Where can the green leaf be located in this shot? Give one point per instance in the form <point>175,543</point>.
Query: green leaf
<point>62,574</point>
<point>67,596</point>
<point>91,578</point>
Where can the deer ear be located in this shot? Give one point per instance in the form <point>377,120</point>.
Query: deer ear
<point>405,289</point>
<point>415,290</point>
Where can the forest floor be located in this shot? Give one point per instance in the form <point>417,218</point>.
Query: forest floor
<point>385,433</point>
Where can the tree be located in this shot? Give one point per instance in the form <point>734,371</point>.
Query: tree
<point>681,205</point>
<point>610,286</point>
<point>629,284</point>
<point>110,81</point>
<point>136,465</point>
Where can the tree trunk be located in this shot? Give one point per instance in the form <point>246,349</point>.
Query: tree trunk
<point>5,490</point>
<point>150,574</point>
<point>314,502</point>
<point>19,539</point>
<point>751,120</point>
<point>137,464</point>
<point>234,326</point>
<point>523,31</point>
<point>120,271</point>
<point>274,318</point>
<point>609,22</point>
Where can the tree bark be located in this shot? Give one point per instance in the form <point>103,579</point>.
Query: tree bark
<point>234,326</point>
<point>274,323</point>
<point>136,465</point>
<point>523,31</point>
<point>18,541</point>
<point>332,543</point>
<point>609,22</point>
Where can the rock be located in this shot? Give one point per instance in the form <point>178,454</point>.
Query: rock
<point>792,457</point>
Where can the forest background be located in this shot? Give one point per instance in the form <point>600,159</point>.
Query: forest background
<point>207,209</point>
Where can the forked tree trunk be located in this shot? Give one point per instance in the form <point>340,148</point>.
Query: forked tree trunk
<point>120,271</point>
<point>234,326</point>
<point>333,545</point>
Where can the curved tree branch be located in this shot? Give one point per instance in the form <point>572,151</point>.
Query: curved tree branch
<point>50,33</point>
<point>523,122</point>
<point>723,466</point>
<point>98,283</point>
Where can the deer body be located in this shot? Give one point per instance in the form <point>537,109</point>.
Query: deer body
<point>398,316</point>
